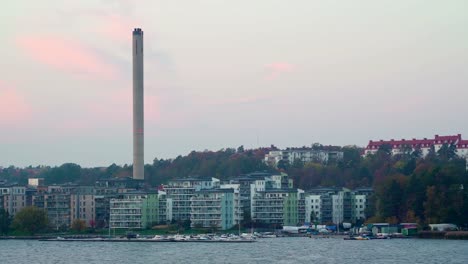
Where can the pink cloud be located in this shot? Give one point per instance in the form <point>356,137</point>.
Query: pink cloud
<point>14,109</point>
<point>65,55</point>
<point>278,68</point>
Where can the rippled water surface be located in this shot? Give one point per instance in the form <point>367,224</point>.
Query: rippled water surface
<point>279,250</point>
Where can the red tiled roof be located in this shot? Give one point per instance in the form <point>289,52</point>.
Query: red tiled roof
<point>448,139</point>
<point>416,142</point>
<point>462,144</point>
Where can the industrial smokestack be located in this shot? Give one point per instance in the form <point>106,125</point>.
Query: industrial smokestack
<point>138,115</point>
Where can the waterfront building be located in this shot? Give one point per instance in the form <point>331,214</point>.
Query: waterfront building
<point>343,207</point>
<point>180,192</point>
<point>14,198</point>
<point>83,205</point>
<point>164,208</point>
<point>216,208</point>
<point>313,209</point>
<point>56,202</point>
<point>276,207</point>
<point>134,210</point>
<point>305,154</point>
<point>258,181</point>
<point>336,205</point>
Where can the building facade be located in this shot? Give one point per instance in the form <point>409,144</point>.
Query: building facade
<point>304,155</point>
<point>216,208</point>
<point>134,210</point>
<point>14,198</point>
<point>425,145</point>
<point>276,207</point>
<point>83,206</point>
<point>181,191</point>
<point>336,205</point>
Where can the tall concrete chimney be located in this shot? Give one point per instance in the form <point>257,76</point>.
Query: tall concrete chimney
<point>138,115</point>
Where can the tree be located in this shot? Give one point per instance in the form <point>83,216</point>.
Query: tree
<point>385,148</point>
<point>240,149</point>
<point>447,152</point>
<point>283,165</point>
<point>5,221</point>
<point>78,225</point>
<point>31,220</point>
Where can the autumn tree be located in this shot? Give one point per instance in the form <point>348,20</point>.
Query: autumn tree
<point>30,220</point>
<point>78,225</point>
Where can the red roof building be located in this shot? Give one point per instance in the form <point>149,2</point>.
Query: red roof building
<point>425,144</point>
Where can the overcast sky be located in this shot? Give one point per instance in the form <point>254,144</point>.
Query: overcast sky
<point>225,73</point>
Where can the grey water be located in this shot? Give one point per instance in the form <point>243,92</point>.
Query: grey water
<point>274,250</point>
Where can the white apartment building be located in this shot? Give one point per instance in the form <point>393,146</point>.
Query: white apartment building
<point>313,207</point>
<point>302,154</point>
<point>360,203</point>
<point>137,210</point>
<point>216,208</point>
<point>182,190</point>
<point>336,205</point>
<point>425,145</point>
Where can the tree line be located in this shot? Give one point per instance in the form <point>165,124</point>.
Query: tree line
<point>408,187</point>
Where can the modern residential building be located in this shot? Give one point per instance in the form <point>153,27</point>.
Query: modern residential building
<point>182,190</point>
<point>258,181</point>
<point>83,205</point>
<point>343,207</point>
<point>56,202</point>
<point>134,210</point>
<point>276,207</point>
<point>305,154</point>
<point>336,205</point>
<point>14,198</point>
<point>216,208</point>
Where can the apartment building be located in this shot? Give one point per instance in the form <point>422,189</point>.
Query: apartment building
<point>14,198</point>
<point>424,145</point>
<point>83,205</point>
<point>134,210</point>
<point>216,208</point>
<point>289,155</point>
<point>57,205</point>
<point>276,207</point>
<point>182,190</point>
<point>336,205</point>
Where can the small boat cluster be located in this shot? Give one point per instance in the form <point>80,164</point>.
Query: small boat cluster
<point>204,238</point>
<point>372,237</point>
<point>230,238</point>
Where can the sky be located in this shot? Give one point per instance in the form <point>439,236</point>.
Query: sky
<point>225,73</point>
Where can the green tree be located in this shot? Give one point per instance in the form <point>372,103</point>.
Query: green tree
<point>447,152</point>
<point>30,220</point>
<point>5,221</point>
<point>283,165</point>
